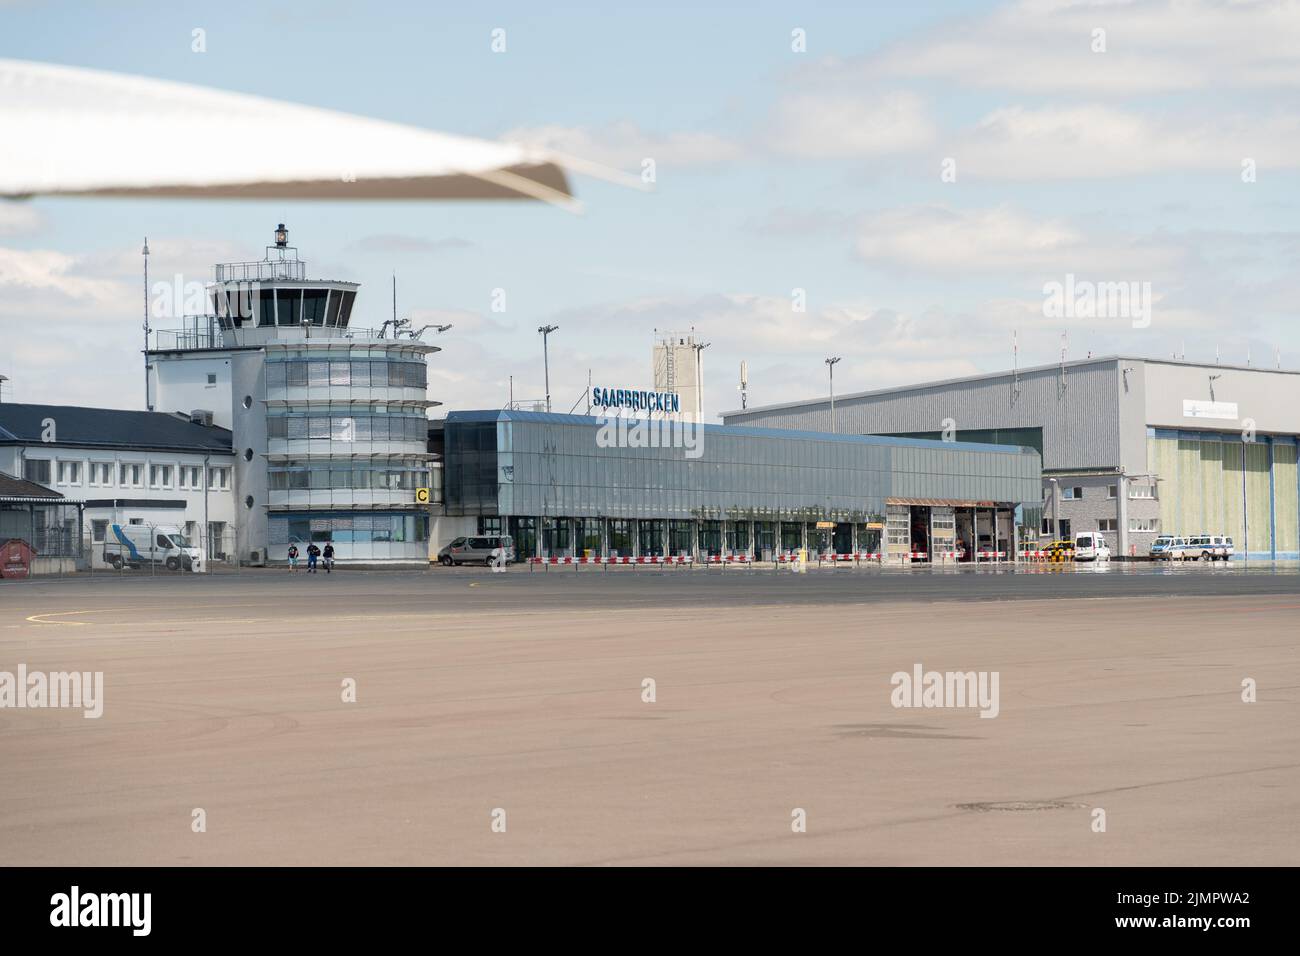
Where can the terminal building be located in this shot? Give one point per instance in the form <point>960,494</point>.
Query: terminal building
<point>1130,447</point>
<point>564,485</point>
<point>328,420</point>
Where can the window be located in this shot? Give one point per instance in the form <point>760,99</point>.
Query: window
<point>130,476</point>
<point>191,477</point>
<point>69,472</point>
<point>98,529</point>
<point>898,525</point>
<point>160,476</point>
<point>101,473</point>
<point>1108,524</point>
<point>1142,491</point>
<point>219,478</point>
<point>37,470</point>
<point>1112,491</point>
<point>1144,524</point>
<point>1070,494</point>
<point>212,379</point>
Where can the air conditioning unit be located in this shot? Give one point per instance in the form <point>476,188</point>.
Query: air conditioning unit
<point>201,416</point>
<point>257,557</point>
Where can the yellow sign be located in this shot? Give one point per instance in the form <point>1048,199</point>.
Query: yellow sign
<point>825,525</point>
<point>421,496</point>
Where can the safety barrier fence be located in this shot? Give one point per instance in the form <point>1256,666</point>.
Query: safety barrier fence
<point>661,560</point>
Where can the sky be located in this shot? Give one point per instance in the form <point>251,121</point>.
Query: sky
<point>907,187</point>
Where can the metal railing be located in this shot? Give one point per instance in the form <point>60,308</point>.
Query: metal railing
<point>262,270</point>
<point>205,332</point>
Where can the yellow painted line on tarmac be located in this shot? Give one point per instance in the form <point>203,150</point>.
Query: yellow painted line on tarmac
<point>41,618</point>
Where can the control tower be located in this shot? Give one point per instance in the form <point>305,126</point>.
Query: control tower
<point>329,420</point>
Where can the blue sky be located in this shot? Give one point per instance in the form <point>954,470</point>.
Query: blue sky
<point>776,170</point>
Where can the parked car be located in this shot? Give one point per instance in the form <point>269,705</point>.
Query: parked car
<point>482,549</point>
<point>1091,546</point>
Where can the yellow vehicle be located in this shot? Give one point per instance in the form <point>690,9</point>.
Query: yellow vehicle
<point>1060,551</point>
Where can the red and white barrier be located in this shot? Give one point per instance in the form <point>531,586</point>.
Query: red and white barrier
<point>854,556</point>
<point>729,559</point>
<point>990,555</point>
<point>622,559</point>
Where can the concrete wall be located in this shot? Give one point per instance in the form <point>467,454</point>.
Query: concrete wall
<point>248,380</point>
<point>181,383</point>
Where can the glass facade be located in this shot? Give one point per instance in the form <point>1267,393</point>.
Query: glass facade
<point>339,371</point>
<point>731,489</point>
<point>348,425</point>
<point>344,454</point>
<point>377,535</point>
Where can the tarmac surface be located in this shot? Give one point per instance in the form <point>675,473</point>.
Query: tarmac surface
<point>1120,690</point>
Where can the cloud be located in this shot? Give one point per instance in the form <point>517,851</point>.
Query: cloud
<point>17,218</point>
<point>623,145</point>
<point>400,244</point>
<point>1046,46</point>
<point>1084,142</point>
<point>959,242</point>
<point>848,125</point>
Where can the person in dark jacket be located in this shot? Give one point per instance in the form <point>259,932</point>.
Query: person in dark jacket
<point>293,557</point>
<point>313,553</point>
<point>328,555</point>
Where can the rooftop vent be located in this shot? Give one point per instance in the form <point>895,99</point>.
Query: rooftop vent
<point>201,416</point>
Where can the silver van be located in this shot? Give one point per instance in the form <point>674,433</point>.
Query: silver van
<point>479,549</point>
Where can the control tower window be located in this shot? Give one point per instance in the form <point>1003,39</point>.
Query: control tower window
<point>288,307</point>
<point>265,305</point>
<point>345,310</point>
<point>313,306</point>
<point>332,312</point>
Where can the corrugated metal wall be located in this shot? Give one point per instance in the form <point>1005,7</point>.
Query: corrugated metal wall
<point>1080,421</point>
<point>1223,487</point>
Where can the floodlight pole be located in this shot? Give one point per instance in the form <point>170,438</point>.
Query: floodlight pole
<point>546,330</point>
<point>830,367</point>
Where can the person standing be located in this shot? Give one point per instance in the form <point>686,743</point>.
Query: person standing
<point>313,553</point>
<point>328,555</point>
<point>293,557</point>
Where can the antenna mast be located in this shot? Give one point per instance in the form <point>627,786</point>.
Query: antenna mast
<point>145,252</point>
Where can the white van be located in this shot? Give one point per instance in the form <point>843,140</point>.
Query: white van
<point>135,545</point>
<point>1091,546</point>
<point>1211,547</point>
<point>1169,548</point>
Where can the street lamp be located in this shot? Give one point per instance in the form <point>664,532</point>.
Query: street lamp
<point>699,378</point>
<point>546,330</point>
<point>830,367</point>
